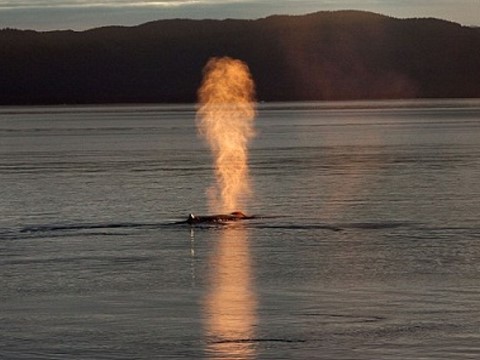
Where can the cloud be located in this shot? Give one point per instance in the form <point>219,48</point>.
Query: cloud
<point>29,4</point>
<point>80,15</point>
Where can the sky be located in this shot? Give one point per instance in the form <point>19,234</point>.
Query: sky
<point>46,15</point>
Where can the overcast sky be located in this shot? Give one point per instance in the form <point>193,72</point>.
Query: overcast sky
<point>85,14</point>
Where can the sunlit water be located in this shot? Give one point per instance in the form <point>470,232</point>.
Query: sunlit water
<point>367,244</point>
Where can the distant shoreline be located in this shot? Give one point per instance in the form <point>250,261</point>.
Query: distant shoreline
<point>278,105</point>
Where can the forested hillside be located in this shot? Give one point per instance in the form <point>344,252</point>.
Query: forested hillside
<point>320,56</point>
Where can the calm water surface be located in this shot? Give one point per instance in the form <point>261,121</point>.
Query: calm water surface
<point>367,244</point>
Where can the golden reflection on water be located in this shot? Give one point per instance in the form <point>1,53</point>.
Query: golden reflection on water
<point>230,305</point>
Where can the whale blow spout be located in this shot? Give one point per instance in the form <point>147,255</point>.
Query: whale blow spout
<point>225,119</point>
<point>214,219</point>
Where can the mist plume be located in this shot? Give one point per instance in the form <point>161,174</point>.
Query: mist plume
<point>225,119</point>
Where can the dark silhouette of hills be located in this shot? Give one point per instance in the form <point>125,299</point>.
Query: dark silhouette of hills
<point>320,56</point>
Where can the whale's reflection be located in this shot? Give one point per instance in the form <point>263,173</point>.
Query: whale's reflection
<point>230,304</point>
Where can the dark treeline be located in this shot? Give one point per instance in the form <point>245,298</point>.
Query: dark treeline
<point>320,56</point>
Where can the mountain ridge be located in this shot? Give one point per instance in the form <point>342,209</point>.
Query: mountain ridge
<point>334,55</point>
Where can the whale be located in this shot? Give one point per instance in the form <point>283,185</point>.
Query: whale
<point>217,219</point>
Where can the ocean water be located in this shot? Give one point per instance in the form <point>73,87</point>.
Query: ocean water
<point>366,243</point>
